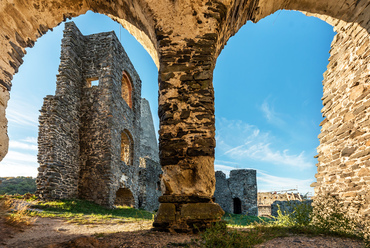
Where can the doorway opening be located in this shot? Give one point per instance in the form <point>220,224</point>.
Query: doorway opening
<point>237,205</point>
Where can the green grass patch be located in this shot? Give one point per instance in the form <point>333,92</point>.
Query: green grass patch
<point>85,212</point>
<point>221,236</point>
<point>239,220</point>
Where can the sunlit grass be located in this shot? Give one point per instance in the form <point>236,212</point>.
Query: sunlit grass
<point>328,218</point>
<point>239,220</point>
<point>14,212</point>
<point>85,212</point>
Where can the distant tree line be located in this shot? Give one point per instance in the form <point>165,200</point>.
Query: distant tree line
<point>17,185</point>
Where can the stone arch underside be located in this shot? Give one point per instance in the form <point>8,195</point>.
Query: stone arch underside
<point>124,197</point>
<point>184,38</point>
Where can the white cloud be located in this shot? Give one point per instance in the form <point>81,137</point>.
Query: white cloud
<point>17,170</point>
<point>270,113</point>
<point>22,113</point>
<point>32,140</point>
<point>268,182</point>
<point>21,145</point>
<point>263,152</point>
<point>240,141</point>
<point>18,164</point>
<point>19,156</point>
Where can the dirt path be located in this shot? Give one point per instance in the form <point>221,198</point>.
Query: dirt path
<point>312,242</point>
<point>48,232</point>
<point>56,233</point>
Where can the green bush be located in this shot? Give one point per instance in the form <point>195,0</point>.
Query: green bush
<point>300,216</point>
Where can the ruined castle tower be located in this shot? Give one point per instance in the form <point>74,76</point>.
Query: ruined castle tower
<point>238,193</point>
<point>90,131</point>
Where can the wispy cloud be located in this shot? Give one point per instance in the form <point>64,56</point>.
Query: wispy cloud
<point>240,141</point>
<point>32,140</point>
<point>21,145</point>
<point>19,156</point>
<point>22,113</point>
<point>268,182</point>
<point>19,164</point>
<point>263,152</point>
<point>270,114</point>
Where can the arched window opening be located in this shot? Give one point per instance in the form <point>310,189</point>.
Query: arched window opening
<point>92,82</point>
<point>126,89</point>
<point>126,148</point>
<point>124,197</point>
<point>237,206</point>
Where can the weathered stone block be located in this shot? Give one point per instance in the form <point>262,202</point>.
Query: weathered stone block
<point>201,211</point>
<point>166,213</point>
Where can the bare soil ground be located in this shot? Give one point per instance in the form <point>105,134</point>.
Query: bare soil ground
<point>57,233</point>
<point>50,232</point>
<point>312,242</point>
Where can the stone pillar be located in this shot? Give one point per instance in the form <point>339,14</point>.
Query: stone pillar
<point>187,136</point>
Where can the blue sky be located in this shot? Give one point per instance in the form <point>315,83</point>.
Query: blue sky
<point>267,84</point>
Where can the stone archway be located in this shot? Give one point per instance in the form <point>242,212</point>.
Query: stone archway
<point>184,38</point>
<point>124,197</point>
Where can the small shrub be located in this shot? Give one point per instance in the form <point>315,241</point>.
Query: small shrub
<point>219,236</point>
<point>300,216</point>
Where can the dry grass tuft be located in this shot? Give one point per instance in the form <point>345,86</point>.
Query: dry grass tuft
<point>15,212</point>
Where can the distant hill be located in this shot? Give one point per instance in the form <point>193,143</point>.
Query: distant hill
<point>17,185</point>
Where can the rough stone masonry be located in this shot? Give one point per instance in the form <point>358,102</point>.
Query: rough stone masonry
<point>96,135</point>
<point>238,193</point>
<point>184,38</point>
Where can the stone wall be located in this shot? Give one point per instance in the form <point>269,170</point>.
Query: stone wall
<point>148,139</point>
<point>150,186</point>
<point>344,151</point>
<point>266,199</point>
<point>289,206</point>
<point>238,193</point>
<point>89,136</point>
<point>223,193</point>
<point>59,120</point>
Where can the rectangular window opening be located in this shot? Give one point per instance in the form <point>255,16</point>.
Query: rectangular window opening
<point>92,82</point>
